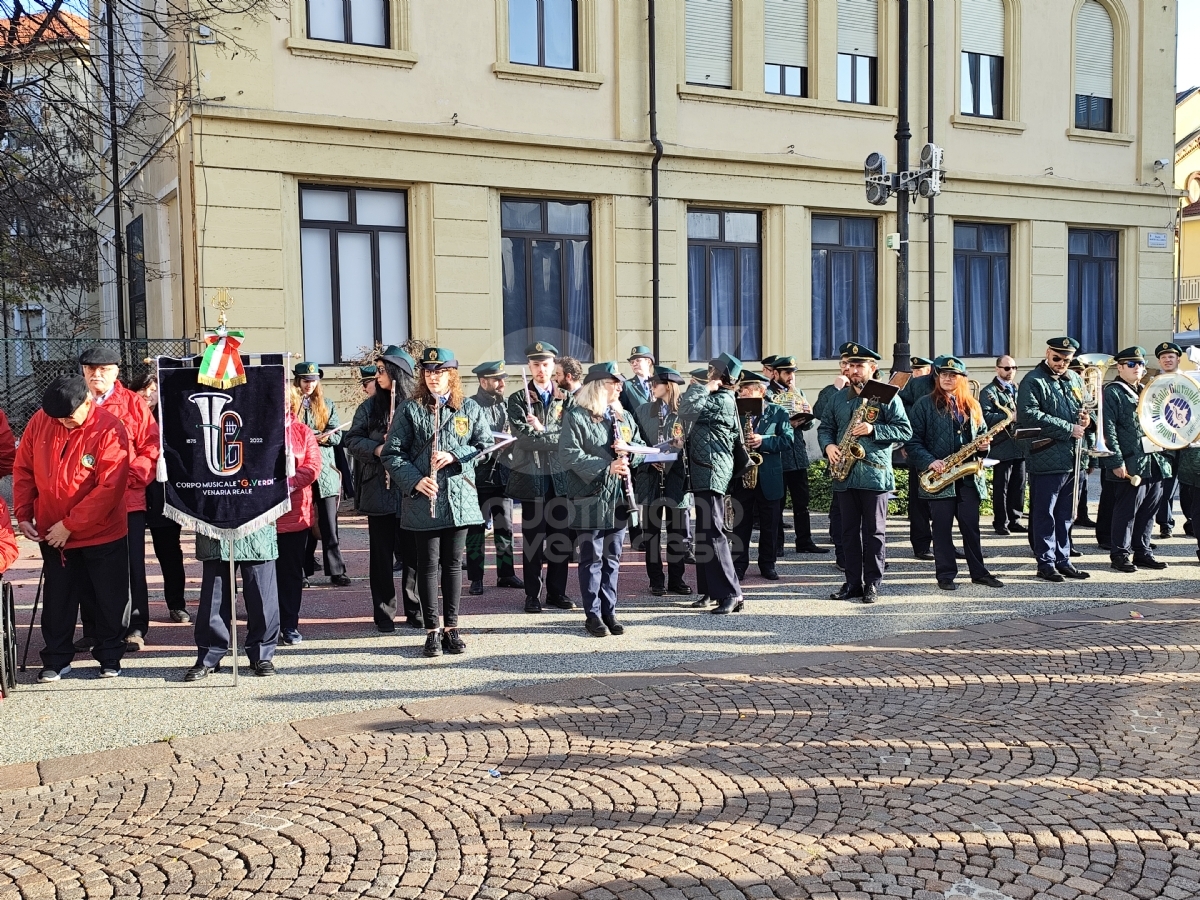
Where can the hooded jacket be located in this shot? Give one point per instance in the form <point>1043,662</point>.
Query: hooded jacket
<point>307,452</point>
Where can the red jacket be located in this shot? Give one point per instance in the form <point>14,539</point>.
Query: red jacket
<point>76,476</point>
<point>133,412</point>
<point>8,446</point>
<point>303,441</point>
<point>8,538</point>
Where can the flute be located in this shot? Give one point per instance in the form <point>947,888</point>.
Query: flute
<point>437,425</point>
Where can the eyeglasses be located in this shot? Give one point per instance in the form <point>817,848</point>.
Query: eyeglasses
<point>1006,368</point>
<point>1054,357</point>
<point>1132,363</point>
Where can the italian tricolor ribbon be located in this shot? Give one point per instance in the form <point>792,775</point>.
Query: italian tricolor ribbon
<point>221,366</point>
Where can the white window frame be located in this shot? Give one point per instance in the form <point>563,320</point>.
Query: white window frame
<point>398,52</point>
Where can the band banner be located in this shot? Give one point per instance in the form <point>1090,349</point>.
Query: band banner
<point>225,453</point>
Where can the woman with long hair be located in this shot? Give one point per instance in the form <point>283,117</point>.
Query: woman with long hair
<point>293,528</point>
<point>662,487</point>
<point>430,454</point>
<point>320,415</point>
<point>377,493</point>
<point>595,473</point>
<point>942,424</point>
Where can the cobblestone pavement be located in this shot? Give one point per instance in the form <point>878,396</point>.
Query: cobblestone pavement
<point>1045,759</point>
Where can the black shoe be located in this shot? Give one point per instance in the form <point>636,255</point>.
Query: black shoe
<point>811,548</point>
<point>433,644</point>
<point>703,601</point>
<point>1106,547</point>
<point>988,581</point>
<point>560,602</point>
<point>510,581</point>
<point>841,566</point>
<point>870,595</point>
<point>134,641</point>
<point>397,568</point>
<point>1076,553</point>
<point>532,605</point>
<point>389,628</point>
<point>948,585</point>
<point>658,589</point>
<point>1187,529</point>
<point>1017,528</point>
<point>1123,564</point>
<point>740,573</point>
<point>198,671</point>
<point>595,627</point>
<point>1001,529</point>
<point>414,623</point>
<point>958,554</point>
<point>614,627</point>
<point>846,593</point>
<point>682,588</point>
<point>1153,546</point>
<point>1069,571</point>
<point>1149,562</point>
<point>83,645</point>
<point>1165,533</point>
<point>263,669</point>
<point>926,555</point>
<point>725,607</point>
<point>476,588</point>
<point>452,643</point>
<point>769,573</point>
<point>340,580</point>
<point>1084,523</point>
<point>1049,575</point>
<point>182,616</point>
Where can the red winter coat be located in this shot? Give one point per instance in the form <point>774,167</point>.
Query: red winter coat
<point>8,446</point>
<point>303,441</point>
<point>75,476</point>
<point>134,414</point>
<point>8,538</point>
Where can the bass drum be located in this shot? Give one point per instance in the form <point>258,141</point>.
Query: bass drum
<point>1169,411</point>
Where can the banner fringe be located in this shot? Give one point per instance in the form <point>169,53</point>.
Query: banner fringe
<point>221,382</point>
<point>226,534</point>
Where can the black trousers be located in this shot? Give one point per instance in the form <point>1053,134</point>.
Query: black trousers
<point>920,528</point>
<point>167,549</point>
<point>715,575</point>
<point>1104,511</point>
<point>655,517</point>
<point>1051,512</point>
<point>796,484</point>
<point>139,592</point>
<point>751,504</point>
<point>439,558</point>
<point>546,541</point>
<point>864,530</point>
<point>1166,505</point>
<point>387,541</point>
<point>835,531</point>
<point>260,594</point>
<point>492,503</point>
<point>1133,518</point>
<point>289,577</point>
<point>963,507</point>
<point>1008,492</point>
<point>326,508</point>
<point>95,579</point>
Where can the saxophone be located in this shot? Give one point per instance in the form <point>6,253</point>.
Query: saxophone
<point>750,478</point>
<point>961,464</point>
<point>851,450</point>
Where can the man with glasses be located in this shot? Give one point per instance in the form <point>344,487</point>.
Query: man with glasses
<point>1051,398</point>
<point>1134,506</point>
<point>1169,353</point>
<point>1008,476</point>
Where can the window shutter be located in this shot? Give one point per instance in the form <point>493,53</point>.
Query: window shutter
<point>710,42</point>
<point>1094,51</point>
<point>983,27</point>
<point>786,28</point>
<point>858,27</point>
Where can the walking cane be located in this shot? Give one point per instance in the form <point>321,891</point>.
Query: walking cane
<point>33,617</point>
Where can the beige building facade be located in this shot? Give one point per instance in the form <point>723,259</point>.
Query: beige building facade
<point>463,171</point>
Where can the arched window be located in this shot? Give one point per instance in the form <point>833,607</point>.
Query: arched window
<point>785,47</point>
<point>1094,68</point>
<point>982,92</point>
<point>858,51</point>
<point>710,42</point>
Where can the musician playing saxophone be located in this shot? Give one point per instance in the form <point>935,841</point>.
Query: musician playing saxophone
<point>770,436</point>
<point>943,423</point>
<point>1134,506</point>
<point>862,496</point>
<point>795,463</point>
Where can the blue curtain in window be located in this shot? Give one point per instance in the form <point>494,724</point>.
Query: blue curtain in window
<point>980,274</point>
<point>1092,304</point>
<point>697,333</point>
<point>723,338</point>
<point>750,341</point>
<point>961,294</point>
<point>821,339</point>
<point>512,255</point>
<point>841,296</point>
<point>844,285</point>
<point>546,276</point>
<point>866,318</point>
<point>980,326</point>
<point>579,299</point>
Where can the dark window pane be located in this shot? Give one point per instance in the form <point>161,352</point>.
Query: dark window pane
<point>520,216</point>
<point>996,81</point>
<point>965,237</point>
<point>567,218</point>
<point>579,299</point>
<point>978,312</point>
<point>820,306</point>
<point>697,307</point>
<point>741,228</point>
<point>859,232</point>
<point>1078,243</point>
<point>999,343</point>
<point>968,88</point>
<point>1092,290</point>
<point>559,23</point>
<point>523,31</point>
<point>962,294</point>
<point>841,294</point>
<point>722,273</point>
<point>512,273</point>
<point>724,285</point>
<point>866,312</point>
<point>772,78</point>
<point>704,226</point>
<point>546,280</point>
<point>750,300</point>
<point>1104,244</point>
<point>826,231</point>
<point>844,285</point>
<point>980,326</point>
<point>995,238</point>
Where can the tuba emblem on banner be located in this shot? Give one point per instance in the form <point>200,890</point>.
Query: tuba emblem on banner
<point>1169,411</point>
<point>222,449</point>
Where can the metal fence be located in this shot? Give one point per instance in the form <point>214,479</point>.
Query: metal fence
<point>28,365</point>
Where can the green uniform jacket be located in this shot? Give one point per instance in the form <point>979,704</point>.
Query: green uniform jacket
<point>634,395</point>
<point>995,399</point>
<point>936,435</point>
<point>585,453</point>
<point>1188,466</point>
<point>1051,403</point>
<point>673,477</point>
<point>797,455</point>
<point>827,393</point>
<point>874,471</point>
<point>915,389</point>
<point>710,422</point>
<point>492,472</point>
<point>329,482</point>
<point>406,455</point>
<point>534,457</point>
<point>776,431</point>
<point>1123,434</point>
<point>257,546</point>
<point>372,495</point>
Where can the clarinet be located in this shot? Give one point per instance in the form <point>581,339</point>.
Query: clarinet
<point>387,476</point>
<point>627,482</point>
<point>662,472</point>
<point>437,425</point>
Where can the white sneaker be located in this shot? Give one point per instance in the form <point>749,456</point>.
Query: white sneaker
<point>52,675</point>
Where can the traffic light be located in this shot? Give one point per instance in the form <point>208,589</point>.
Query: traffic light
<point>879,183</point>
<point>929,182</point>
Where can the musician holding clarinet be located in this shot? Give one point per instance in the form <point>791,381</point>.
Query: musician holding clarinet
<point>767,432</point>
<point>1137,468</point>
<point>431,455</point>
<point>949,438</point>
<point>597,480</point>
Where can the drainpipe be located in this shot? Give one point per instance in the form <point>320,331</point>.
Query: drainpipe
<point>658,154</point>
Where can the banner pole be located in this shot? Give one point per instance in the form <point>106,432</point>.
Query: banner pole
<point>233,611</point>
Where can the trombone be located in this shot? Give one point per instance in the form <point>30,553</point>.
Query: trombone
<point>1094,366</point>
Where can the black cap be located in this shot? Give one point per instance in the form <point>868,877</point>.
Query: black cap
<point>99,355</point>
<point>65,394</point>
